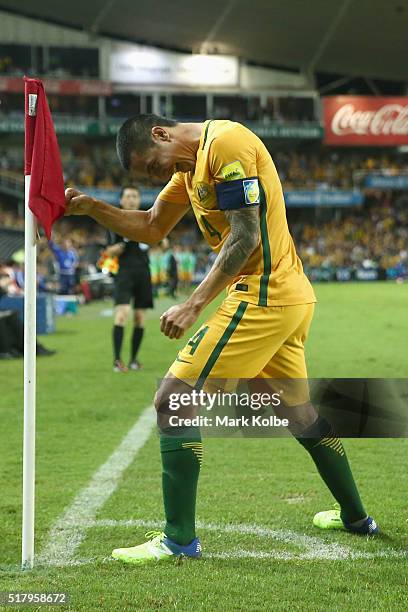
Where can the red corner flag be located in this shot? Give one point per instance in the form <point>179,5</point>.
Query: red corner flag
<point>42,158</point>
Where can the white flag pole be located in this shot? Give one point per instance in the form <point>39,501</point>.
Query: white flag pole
<point>30,290</point>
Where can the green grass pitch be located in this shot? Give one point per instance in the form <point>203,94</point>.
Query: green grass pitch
<point>256,497</point>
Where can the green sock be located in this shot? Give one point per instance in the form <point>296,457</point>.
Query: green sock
<point>181,460</point>
<point>330,458</point>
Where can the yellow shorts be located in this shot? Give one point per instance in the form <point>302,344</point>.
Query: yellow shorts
<point>246,341</point>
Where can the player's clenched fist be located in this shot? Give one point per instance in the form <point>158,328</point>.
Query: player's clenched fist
<point>177,319</point>
<point>77,203</point>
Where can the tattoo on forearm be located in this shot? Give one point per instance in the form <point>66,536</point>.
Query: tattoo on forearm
<point>242,240</point>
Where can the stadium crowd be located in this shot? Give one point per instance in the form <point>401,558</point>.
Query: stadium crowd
<point>77,252</point>
<point>11,219</point>
<point>334,169</point>
<point>373,236</point>
<point>97,166</point>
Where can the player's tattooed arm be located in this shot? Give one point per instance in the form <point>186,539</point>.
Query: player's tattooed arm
<point>242,240</point>
<point>236,250</point>
<point>238,246</point>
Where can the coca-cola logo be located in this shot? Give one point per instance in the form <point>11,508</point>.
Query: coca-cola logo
<point>390,119</point>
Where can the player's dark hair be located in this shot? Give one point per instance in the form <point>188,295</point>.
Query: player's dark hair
<point>136,135</point>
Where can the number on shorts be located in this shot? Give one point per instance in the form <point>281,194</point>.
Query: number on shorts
<point>196,339</point>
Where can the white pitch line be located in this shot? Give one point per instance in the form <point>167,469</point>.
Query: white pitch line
<point>284,556</point>
<point>69,530</point>
<point>314,548</point>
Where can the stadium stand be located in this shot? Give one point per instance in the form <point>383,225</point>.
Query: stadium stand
<point>11,240</point>
<point>373,236</point>
<point>368,233</point>
<point>96,165</point>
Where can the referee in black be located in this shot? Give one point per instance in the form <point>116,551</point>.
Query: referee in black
<point>132,284</point>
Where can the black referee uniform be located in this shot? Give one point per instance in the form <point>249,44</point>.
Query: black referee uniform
<point>133,286</point>
<point>133,283</point>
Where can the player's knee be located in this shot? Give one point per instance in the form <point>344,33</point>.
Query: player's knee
<point>162,405</point>
<point>163,399</point>
<point>167,399</point>
<point>158,400</point>
<point>301,418</point>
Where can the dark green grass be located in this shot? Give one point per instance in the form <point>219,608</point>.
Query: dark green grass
<point>84,410</point>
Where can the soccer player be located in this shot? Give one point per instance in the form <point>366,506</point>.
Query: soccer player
<point>225,173</point>
<point>132,283</point>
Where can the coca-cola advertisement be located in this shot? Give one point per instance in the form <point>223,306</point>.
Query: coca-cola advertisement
<point>365,120</point>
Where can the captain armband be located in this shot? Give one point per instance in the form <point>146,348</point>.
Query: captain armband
<point>237,194</point>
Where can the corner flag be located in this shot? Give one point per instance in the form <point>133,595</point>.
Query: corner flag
<point>42,158</point>
<point>44,196</point>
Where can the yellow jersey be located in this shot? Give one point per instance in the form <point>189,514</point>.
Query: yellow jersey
<point>228,151</point>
